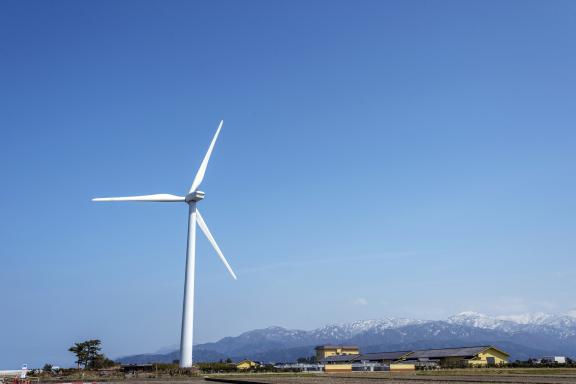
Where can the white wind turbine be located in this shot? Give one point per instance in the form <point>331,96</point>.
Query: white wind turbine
<point>193,196</point>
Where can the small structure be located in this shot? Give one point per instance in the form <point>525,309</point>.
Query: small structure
<point>246,365</point>
<point>337,368</point>
<point>402,367</point>
<point>324,351</point>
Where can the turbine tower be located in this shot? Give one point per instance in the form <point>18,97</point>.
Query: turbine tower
<point>194,217</point>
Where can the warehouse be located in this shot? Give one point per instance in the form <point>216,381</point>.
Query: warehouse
<point>458,357</point>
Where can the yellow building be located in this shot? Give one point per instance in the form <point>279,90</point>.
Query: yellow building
<point>324,351</point>
<point>402,367</point>
<point>337,368</point>
<point>245,365</point>
<point>490,356</point>
<point>459,357</point>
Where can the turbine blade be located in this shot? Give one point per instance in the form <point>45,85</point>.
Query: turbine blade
<point>202,170</point>
<point>162,197</point>
<point>204,228</point>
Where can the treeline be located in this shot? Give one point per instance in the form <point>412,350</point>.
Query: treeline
<point>536,363</point>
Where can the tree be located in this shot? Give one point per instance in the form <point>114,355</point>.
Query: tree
<point>88,355</point>
<point>79,349</point>
<point>47,368</point>
<point>101,361</point>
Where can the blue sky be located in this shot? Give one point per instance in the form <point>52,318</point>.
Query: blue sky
<point>377,159</point>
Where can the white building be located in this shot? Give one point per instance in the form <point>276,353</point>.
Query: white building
<point>554,359</point>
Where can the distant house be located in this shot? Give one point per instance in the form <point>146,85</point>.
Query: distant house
<point>245,365</point>
<point>459,357</point>
<point>324,351</point>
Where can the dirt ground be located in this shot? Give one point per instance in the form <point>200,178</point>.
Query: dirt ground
<point>501,377</point>
<point>496,376</point>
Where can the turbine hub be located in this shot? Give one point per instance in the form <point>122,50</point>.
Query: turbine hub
<point>194,196</point>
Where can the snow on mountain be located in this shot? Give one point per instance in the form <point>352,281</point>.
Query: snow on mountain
<point>347,330</point>
<point>527,318</point>
<point>564,324</point>
<point>479,320</point>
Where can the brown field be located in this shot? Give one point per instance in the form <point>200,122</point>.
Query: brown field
<point>456,376</point>
<point>453,376</point>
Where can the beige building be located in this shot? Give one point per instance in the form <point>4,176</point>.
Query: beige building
<point>324,351</point>
<point>245,365</point>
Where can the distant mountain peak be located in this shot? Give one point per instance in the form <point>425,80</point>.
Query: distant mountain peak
<point>470,313</point>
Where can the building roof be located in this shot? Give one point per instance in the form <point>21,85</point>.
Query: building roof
<point>449,352</point>
<point>336,347</point>
<point>382,356</point>
<point>339,358</point>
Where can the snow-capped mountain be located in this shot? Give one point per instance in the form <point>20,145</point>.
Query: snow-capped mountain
<point>564,320</point>
<point>523,336</point>
<point>479,320</point>
<point>563,324</point>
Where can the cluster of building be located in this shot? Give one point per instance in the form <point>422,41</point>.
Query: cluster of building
<point>347,358</point>
<point>342,358</point>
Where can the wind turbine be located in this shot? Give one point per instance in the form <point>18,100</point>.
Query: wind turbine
<point>194,217</point>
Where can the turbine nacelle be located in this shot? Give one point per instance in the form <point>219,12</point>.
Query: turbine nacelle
<point>194,196</point>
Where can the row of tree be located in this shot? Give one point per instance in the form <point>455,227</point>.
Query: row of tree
<point>532,363</point>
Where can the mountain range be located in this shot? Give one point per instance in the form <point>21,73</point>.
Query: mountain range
<point>523,336</point>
